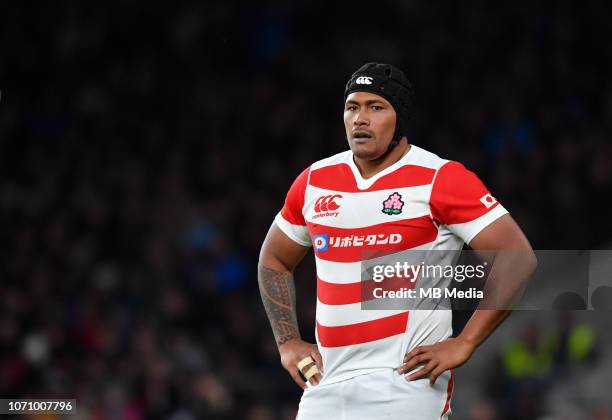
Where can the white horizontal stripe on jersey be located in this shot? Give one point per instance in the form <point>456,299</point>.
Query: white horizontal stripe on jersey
<point>416,156</point>
<point>342,157</point>
<point>364,209</point>
<point>427,327</point>
<point>468,230</point>
<point>298,233</point>
<point>338,315</point>
<point>364,358</point>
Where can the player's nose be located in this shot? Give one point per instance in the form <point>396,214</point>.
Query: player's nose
<point>361,119</point>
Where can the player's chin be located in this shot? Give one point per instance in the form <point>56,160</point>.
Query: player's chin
<point>364,150</point>
<point>362,145</point>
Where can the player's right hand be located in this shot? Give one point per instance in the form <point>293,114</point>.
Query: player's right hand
<point>295,350</point>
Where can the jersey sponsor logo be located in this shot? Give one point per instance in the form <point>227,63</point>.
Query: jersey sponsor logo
<point>326,205</point>
<point>393,204</point>
<point>364,80</point>
<point>321,242</point>
<point>488,200</point>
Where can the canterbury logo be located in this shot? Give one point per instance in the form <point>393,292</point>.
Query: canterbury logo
<point>364,80</point>
<point>327,203</point>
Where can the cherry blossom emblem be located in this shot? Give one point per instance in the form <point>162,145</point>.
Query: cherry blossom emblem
<point>393,204</point>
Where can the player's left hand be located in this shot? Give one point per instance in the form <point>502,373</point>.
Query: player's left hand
<point>437,358</point>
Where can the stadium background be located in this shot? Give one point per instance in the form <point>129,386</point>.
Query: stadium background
<point>146,146</point>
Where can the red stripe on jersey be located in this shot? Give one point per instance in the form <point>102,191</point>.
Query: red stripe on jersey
<point>361,291</point>
<point>294,201</point>
<point>360,244</point>
<point>362,332</point>
<point>459,196</point>
<point>449,394</point>
<point>340,178</point>
<point>338,294</point>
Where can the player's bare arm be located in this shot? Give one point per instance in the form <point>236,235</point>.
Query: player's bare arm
<point>278,295</point>
<point>512,269</point>
<point>278,258</point>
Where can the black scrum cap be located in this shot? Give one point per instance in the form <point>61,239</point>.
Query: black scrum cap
<point>392,84</point>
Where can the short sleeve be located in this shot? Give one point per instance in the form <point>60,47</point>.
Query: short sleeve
<point>291,219</point>
<point>461,201</point>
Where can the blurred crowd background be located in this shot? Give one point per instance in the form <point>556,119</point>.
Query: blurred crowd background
<point>145,148</point>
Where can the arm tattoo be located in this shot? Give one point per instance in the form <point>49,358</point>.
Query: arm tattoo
<point>278,295</point>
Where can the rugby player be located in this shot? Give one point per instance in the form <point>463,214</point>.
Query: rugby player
<point>382,196</point>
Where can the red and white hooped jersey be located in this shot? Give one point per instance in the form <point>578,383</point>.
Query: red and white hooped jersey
<point>421,202</point>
